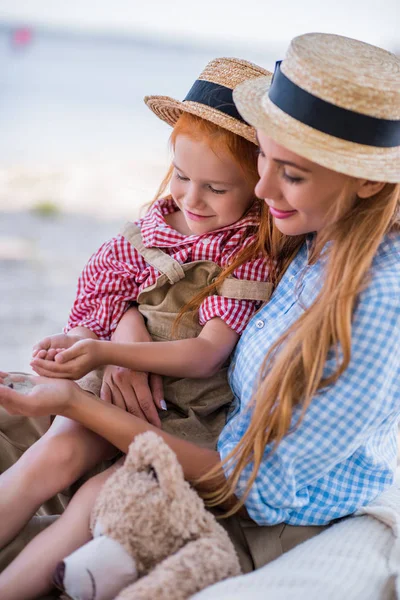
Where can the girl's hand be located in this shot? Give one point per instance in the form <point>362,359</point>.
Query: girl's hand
<point>136,392</point>
<point>73,363</point>
<point>51,345</point>
<point>46,397</point>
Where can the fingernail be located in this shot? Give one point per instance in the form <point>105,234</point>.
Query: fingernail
<point>163,404</point>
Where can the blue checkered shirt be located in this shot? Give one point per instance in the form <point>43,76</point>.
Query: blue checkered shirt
<point>343,454</point>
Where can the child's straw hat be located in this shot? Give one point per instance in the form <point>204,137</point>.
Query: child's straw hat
<point>211,96</point>
<point>335,101</point>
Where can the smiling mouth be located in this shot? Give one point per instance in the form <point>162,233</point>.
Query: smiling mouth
<point>281,214</point>
<point>197,217</point>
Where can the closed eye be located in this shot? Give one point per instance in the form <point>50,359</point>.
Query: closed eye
<point>214,191</point>
<point>291,179</point>
<point>181,177</point>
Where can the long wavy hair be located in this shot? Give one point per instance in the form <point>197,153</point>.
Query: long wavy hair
<point>266,237</point>
<point>293,370</point>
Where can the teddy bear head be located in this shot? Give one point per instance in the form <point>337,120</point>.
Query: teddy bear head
<point>150,509</point>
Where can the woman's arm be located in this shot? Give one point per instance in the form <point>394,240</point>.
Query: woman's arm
<point>120,429</point>
<point>66,398</point>
<point>194,357</point>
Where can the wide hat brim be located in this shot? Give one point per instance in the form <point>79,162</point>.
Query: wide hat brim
<point>357,160</point>
<point>169,110</point>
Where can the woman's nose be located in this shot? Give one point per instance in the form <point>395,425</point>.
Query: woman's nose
<point>268,185</point>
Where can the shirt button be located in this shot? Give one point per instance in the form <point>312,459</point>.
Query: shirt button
<point>259,324</point>
<point>291,278</point>
<point>206,241</point>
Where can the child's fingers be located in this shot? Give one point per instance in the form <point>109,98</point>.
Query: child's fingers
<point>40,352</point>
<point>51,354</point>
<point>64,356</point>
<point>49,368</point>
<point>47,373</point>
<point>44,344</point>
<point>40,370</point>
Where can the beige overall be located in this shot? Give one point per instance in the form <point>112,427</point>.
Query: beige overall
<point>197,408</point>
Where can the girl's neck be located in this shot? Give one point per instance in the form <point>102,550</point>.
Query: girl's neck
<point>177,221</point>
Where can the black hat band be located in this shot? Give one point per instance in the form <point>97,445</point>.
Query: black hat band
<point>331,119</point>
<point>215,96</point>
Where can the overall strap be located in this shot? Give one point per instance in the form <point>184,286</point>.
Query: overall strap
<point>244,289</point>
<point>158,259</point>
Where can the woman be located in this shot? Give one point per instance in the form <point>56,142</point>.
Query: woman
<point>319,364</point>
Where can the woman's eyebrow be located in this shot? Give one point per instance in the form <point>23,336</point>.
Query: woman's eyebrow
<point>291,164</point>
<point>284,162</point>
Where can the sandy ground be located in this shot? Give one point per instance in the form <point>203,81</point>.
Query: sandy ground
<point>40,260</point>
<point>104,189</point>
<point>41,256</point>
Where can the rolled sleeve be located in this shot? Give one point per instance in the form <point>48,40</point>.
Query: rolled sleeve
<point>106,287</point>
<point>235,313</point>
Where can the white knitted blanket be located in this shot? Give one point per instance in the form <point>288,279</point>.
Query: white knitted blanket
<point>355,559</point>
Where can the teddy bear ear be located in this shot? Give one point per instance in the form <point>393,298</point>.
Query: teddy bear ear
<point>149,452</point>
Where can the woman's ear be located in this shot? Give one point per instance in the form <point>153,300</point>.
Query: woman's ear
<point>369,188</point>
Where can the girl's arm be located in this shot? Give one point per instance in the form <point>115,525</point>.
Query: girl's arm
<point>195,357</point>
<point>131,327</point>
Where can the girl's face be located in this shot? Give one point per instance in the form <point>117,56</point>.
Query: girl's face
<point>301,195</point>
<point>210,189</point>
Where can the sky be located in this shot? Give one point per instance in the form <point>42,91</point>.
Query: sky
<point>253,22</point>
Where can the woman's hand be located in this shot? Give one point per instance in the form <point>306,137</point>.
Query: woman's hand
<point>136,392</point>
<point>72,363</point>
<point>46,397</point>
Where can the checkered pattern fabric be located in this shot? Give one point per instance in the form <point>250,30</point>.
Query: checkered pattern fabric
<point>117,273</point>
<point>343,454</point>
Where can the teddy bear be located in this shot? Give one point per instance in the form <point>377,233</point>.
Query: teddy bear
<point>153,538</point>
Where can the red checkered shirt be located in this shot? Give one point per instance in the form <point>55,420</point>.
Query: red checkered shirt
<point>117,273</point>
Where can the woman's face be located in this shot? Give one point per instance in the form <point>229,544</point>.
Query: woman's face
<point>301,195</point>
<point>209,188</point>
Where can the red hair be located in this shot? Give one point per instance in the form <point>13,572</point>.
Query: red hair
<point>244,153</point>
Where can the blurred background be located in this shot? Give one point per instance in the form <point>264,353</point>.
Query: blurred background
<point>79,150</point>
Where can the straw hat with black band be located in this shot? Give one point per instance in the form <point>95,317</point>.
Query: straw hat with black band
<point>333,100</point>
<point>210,97</point>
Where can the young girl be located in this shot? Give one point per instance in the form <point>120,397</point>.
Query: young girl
<point>200,249</point>
<point>316,374</point>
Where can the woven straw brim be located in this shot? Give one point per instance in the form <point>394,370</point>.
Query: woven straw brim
<point>169,110</point>
<point>358,160</point>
